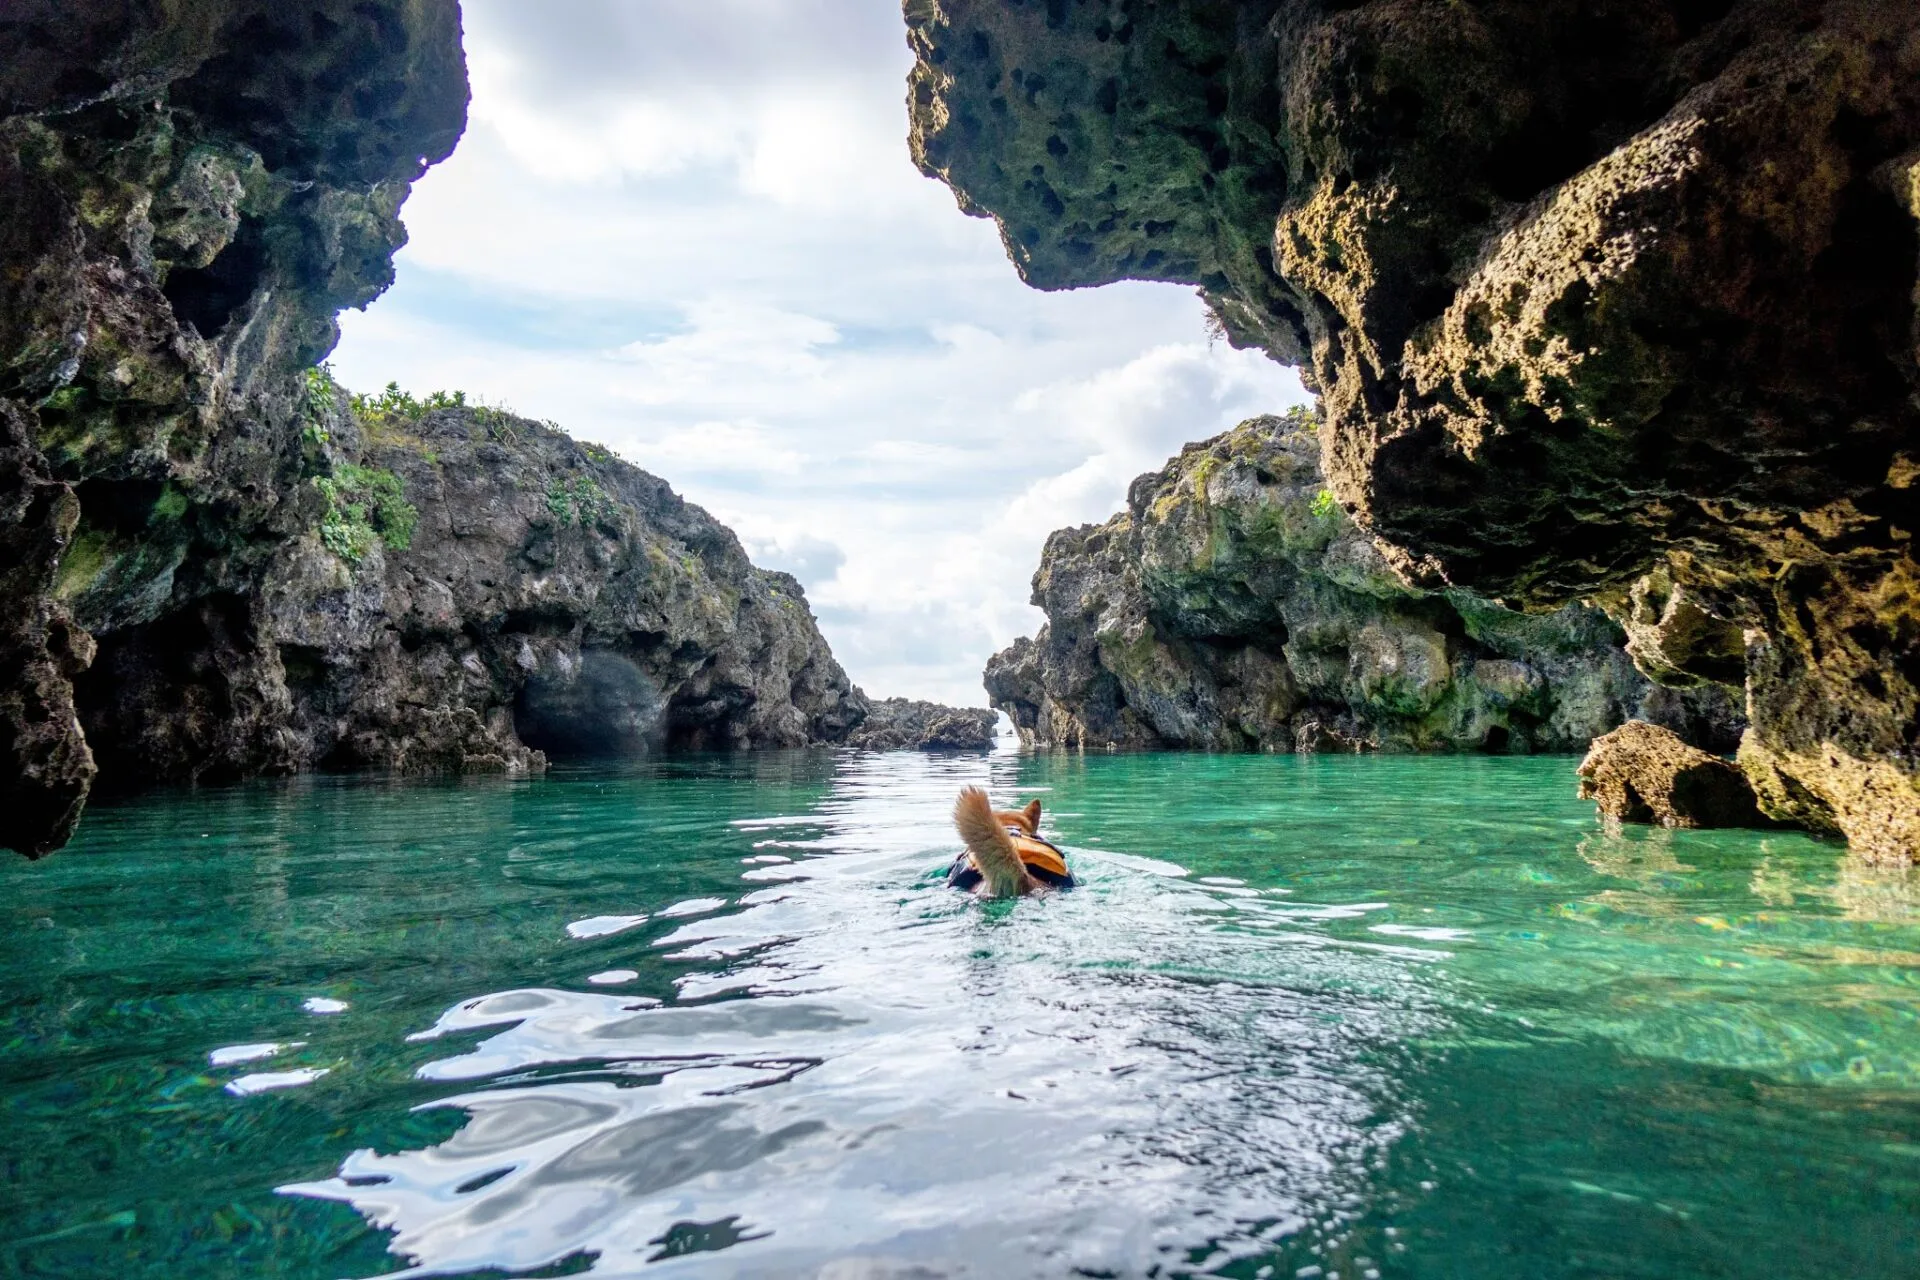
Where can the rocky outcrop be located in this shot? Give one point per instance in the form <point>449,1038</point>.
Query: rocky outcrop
<point>210,565</point>
<point>45,767</point>
<point>894,724</point>
<point>189,193</point>
<point>471,591</point>
<point>1643,773</point>
<point>1234,606</point>
<point>1608,301</point>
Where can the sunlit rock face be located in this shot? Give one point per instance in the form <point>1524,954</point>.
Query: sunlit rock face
<point>189,193</point>
<point>1643,773</point>
<point>1595,294</point>
<point>1234,606</point>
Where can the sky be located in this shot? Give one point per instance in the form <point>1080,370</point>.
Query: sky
<point>689,230</point>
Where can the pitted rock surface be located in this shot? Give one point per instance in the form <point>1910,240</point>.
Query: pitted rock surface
<point>189,193</point>
<point>1643,773</point>
<point>551,599</point>
<point>1234,606</point>
<point>1595,293</point>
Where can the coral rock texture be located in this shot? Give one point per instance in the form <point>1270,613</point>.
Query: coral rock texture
<point>189,193</point>
<point>546,598</point>
<point>1605,300</point>
<point>1643,773</point>
<point>209,566</point>
<point>1234,606</point>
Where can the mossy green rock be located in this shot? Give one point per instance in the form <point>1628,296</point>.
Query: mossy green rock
<point>1605,300</point>
<point>209,567</point>
<point>497,627</point>
<point>1232,608</point>
<point>189,193</point>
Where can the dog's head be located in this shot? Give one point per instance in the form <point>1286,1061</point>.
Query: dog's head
<point>1027,819</point>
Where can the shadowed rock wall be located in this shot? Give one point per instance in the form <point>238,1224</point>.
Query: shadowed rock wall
<point>189,193</point>
<point>520,594</point>
<point>1233,606</point>
<point>1608,299</point>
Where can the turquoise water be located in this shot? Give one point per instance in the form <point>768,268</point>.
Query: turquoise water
<point>1308,1017</point>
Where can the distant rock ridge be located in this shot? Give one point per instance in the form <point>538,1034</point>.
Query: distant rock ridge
<point>470,591</point>
<point>894,724</point>
<point>1234,606</point>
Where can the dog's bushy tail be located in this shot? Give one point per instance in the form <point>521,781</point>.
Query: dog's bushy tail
<point>1003,874</point>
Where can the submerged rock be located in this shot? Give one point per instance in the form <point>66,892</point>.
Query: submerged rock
<point>897,723</point>
<point>1234,606</point>
<point>1605,301</point>
<point>1643,773</point>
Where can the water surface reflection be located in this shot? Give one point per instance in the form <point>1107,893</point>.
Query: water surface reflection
<point>862,1066</point>
<point>1425,1018</point>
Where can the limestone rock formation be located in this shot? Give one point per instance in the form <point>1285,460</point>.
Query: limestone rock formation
<point>209,568</point>
<point>1606,300</point>
<point>1234,606</point>
<point>471,590</point>
<point>1643,773</point>
<point>894,724</point>
<point>189,193</point>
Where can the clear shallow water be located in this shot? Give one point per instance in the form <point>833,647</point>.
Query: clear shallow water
<point>1419,1017</point>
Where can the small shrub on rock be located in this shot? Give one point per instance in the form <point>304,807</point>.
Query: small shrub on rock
<point>365,505</point>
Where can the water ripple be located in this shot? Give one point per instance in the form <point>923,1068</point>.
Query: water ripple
<point>1356,1017</point>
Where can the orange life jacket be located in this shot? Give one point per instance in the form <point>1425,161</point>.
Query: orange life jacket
<point>1041,859</point>
<point>1039,855</point>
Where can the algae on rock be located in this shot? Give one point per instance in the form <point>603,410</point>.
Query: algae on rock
<point>189,193</point>
<point>494,631</point>
<point>212,563</point>
<point>1231,608</point>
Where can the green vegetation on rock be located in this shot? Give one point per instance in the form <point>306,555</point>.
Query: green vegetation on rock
<point>1561,359</point>
<point>1259,617</point>
<point>394,407</point>
<point>578,501</point>
<point>365,505</point>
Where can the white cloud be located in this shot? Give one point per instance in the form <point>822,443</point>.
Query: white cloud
<point>718,449</point>
<point>689,230</point>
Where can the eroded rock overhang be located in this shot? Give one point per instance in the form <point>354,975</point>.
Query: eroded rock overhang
<point>1609,301</point>
<point>190,192</point>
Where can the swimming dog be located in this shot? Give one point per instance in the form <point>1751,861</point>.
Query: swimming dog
<point>1005,855</point>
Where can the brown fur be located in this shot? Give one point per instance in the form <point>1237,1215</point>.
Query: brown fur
<point>984,831</point>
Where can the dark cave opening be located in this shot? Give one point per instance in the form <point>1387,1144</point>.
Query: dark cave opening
<point>164,701</point>
<point>207,298</point>
<point>608,708</point>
